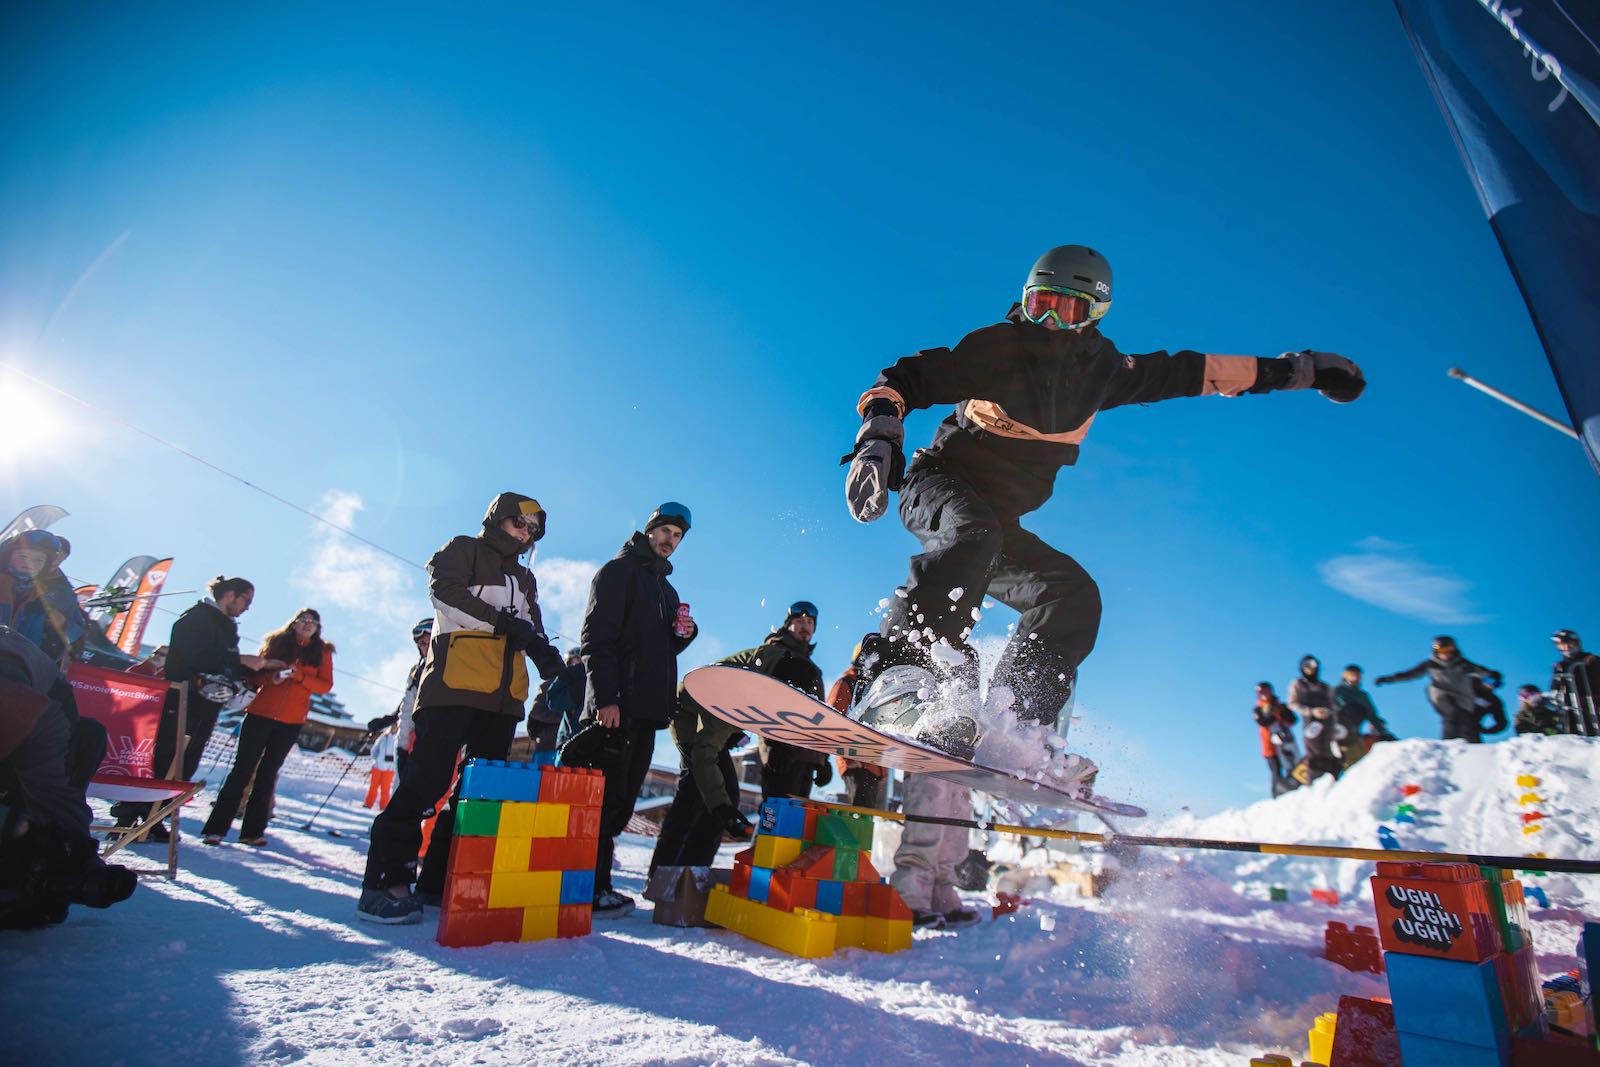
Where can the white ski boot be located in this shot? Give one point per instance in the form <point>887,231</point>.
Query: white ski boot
<point>908,700</point>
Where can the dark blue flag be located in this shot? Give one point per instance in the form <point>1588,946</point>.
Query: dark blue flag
<point>1519,84</point>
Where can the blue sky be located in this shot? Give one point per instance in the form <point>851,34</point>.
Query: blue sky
<point>387,265</point>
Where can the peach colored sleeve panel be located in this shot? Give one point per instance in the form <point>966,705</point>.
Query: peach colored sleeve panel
<point>881,392</point>
<point>992,418</point>
<point>1228,375</point>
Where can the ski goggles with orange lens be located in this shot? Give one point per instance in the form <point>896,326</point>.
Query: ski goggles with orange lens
<point>1071,308</point>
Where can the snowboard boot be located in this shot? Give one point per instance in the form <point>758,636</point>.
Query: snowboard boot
<point>960,917</point>
<point>611,905</point>
<point>927,920</point>
<point>382,906</point>
<point>898,698</point>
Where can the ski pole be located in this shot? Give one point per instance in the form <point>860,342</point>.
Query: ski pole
<point>337,784</point>
<point>1510,863</point>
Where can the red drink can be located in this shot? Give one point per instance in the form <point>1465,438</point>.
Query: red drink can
<point>682,625</point>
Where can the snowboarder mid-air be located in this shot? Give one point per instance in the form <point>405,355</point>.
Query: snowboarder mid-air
<point>1027,391</point>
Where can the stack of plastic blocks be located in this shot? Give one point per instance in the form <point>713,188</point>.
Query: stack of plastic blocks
<point>522,861</point>
<point>807,886</point>
<point>1354,950</point>
<point>1462,975</point>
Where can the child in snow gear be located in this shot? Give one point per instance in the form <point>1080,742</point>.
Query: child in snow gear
<point>36,599</point>
<point>1276,724</point>
<point>1575,683</point>
<point>486,620</point>
<point>272,725</point>
<point>1027,391</point>
<point>865,784</point>
<point>1353,708</point>
<point>1455,688</point>
<point>381,776</point>
<point>1312,699</point>
<point>706,804</point>
<point>632,636</point>
<point>1535,715</point>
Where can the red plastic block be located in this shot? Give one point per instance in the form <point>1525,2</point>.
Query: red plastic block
<point>1364,1036</point>
<point>583,822</point>
<point>471,855</point>
<point>1354,950</point>
<point>854,900</point>
<point>464,929</point>
<point>1410,790</point>
<point>739,884</point>
<point>865,871</point>
<point>788,891</point>
<point>1006,903</point>
<point>1441,910</point>
<point>814,862</point>
<point>563,853</point>
<point>467,892</point>
<point>1552,1051</point>
<point>746,856</point>
<point>884,903</point>
<point>1532,816</point>
<point>573,920</point>
<point>1325,896</point>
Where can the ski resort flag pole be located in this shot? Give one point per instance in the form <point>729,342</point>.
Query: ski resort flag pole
<point>143,604</point>
<point>38,517</point>
<point>1519,85</point>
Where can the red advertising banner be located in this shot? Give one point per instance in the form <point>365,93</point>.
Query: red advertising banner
<point>144,602</point>
<point>129,707</point>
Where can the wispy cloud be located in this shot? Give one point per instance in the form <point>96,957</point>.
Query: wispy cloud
<point>344,573</point>
<point>563,595</point>
<point>1394,577</point>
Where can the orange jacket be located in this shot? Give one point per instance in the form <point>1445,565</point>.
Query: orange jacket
<point>290,700</point>
<point>839,699</point>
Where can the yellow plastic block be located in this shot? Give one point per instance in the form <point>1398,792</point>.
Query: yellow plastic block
<point>539,923</point>
<point>852,931</point>
<point>1530,798</point>
<point>801,932</point>
<point>1527,781</point>
<point>1531,828</point>
<point>512,853</point>
<point>525,889</point>
<point>1320,1038</point>
<point>773,851</point>
<point>887,935</point>
<point>550,820</point>
<point>516,818</point>
<point>1271,1059</point>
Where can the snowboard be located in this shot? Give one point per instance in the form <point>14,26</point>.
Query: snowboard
<point>772,710</point>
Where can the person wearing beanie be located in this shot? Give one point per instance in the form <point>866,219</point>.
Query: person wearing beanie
<point>474,683</point>
<point>633,631</point>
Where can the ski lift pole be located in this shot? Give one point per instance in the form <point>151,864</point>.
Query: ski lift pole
<point>1511,401</point>
<point>1342,852</point>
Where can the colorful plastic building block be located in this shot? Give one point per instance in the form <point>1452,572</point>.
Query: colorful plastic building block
<point>771,850</point>
<point>1436,909</point>
<point>499,780</point>
<point>468,928</point>
<point>1528,781</point>
<point>1365,1035</point>
<point>540,923</point>
<point>1447,1000</point>
<point>1410,789</point>
<point>511,853</point>
<point>844,830</point>
<point>477,818</point>
<point>1271,1059</point>
<point>1387,839</point>
<point>784,817</point>
<point>1354,950</point>
<point>1278,894</point>
<point>577,887</point>
<point>517,818</point>
<point>801,932</point>
<point>1320,1038</point>
<point>1325,896</point>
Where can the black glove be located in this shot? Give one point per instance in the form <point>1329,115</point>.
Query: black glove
<point>1332,375</point>
<point>822,774</point>
<point>381,723</point>
<point>877,463</point>
<point>1384,679</point>
<point>518,632</point>
<point>734,822</point>
<point>548,661</point>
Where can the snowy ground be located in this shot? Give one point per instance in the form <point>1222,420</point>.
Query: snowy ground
<point>255,957</point>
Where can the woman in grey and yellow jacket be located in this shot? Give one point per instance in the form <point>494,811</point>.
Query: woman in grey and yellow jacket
<point>471,694</point>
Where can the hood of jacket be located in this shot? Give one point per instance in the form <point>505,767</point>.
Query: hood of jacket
<point>638,549</point>
<point>53,558</point>
<point>501,508</point>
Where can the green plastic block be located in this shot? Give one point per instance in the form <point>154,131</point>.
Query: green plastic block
<point>1405,809</point>
<point>844,830</point>
<point>1278,893</point>
<point>478,818</point>
<point>846,864</point>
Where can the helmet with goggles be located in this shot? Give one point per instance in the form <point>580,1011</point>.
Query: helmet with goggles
<point>1070,285</point>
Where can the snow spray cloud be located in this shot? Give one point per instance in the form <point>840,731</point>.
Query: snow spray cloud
<point>1391,576</point>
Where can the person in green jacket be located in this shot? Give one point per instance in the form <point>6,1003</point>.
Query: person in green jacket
<point>707,802</point>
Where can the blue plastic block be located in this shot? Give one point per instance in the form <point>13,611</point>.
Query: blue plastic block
<point>830,897</point>
<point>1533,892</point>
<point>1404,817</point>
<point>545,759</point>
<point>1447,1000</point>
<point>499,780</point>
<point>760,882</point>
<point>577,887</point>
<point>1386,838</point>
<point>1419,1051</point>
<point>783,817</point>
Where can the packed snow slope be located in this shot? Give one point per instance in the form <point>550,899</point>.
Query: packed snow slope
<point>254,956</point>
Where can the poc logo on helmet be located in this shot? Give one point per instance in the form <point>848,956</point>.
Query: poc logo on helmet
<point>1102,287</point>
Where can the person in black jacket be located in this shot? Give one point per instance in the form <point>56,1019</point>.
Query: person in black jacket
<point>1575,681</point>
<point>203,652</point>
<point>633,631</point>
<point>553,715</point>
<point>1456,689</point>
<point>1026,392</point>
<point>1535,715</point>
<point>787,770</point>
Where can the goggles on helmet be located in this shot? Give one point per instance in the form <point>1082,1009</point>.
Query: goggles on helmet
<point>1072,309</point>
<point>803,607</point>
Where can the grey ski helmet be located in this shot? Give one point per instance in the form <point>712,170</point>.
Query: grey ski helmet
<point>1074,267</point>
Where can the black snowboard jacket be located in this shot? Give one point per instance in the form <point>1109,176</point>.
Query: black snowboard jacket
<point>1026,396</point>
<point>630,651</point>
